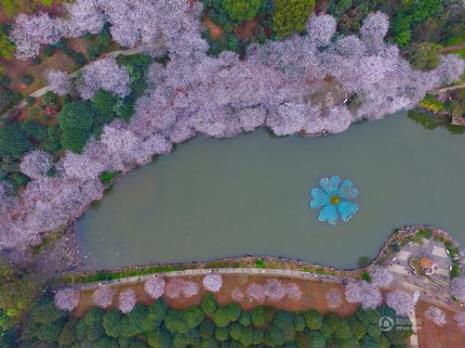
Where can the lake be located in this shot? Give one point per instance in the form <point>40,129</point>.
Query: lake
<point>249,196</point>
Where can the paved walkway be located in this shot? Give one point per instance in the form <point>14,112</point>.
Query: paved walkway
<point>225,271</point>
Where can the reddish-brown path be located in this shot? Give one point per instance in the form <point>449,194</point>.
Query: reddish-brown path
<point>313,295</point>
<point>431,335</point>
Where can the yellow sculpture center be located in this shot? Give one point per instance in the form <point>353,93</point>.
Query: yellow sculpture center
<point>335,200</point>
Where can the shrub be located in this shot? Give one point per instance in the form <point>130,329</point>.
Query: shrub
<point>49,98</point>
<point>291,16</point>
<point>27,79</point>
<point>363,261</point>
<point>433,104</point>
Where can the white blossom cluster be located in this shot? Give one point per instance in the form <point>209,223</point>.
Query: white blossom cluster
<point>457,287</point>
<point>311,84</point>
<point>58,81</point>
<point>334,298</point>
<point>364,293</point>
<point>150,22</point>
<point>381,277</point>
<point>103,296</point>
<point>67,299</point>
<point>213,282</point>
<point>401,302</point>
<point>436,315</point>
<point>273,290</point>
<point>155,287</point>
<point>178,288</point>
<point>127,300</point>
<point>104,74</point>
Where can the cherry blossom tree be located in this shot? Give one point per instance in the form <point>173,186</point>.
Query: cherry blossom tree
<point>333,298</point>
<point>103,296</point>
<point>436,315</point>
<point>460,320</point>
<point>364,293</point>
<point>81,166</point>
<point>7,200</point>
<point>84,16</point>
<point>58,81</point>
<point>293,291</point>
<point>36,164</point>
<point>401,302</point>
<point>321,29</point>
<point>275,290</point>
<point>127,300</point>
<point>381,277</point>
<point>104,74</point>
<point>213,282</point>
<point>190,289</point>
<point>176,288</point>
<point>256,292</point>
<point>457,288</point>
<point>374,29</point>
<point>237,295</point>
<point>67,299</point>
<point>29,32</point>
<point>155,287</point>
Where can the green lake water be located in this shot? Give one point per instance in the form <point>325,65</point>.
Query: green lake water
<point>249,196</point>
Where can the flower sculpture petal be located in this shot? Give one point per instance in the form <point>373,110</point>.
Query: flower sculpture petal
<point>335,198</point>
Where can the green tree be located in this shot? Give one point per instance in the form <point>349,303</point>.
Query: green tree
<point>318,341</point>
<point>207,329</point>
<point>425,56</point>
<point>159,338</point>
<point>112,323</point>
<point>313,319</point>
<point>282,331</point>
<point>291,16</point>
<point>13,141</point>
<point>258,316</point>
<point>193,316</point>
<point>67,337</point>
<point>222,334</point>
<point>209,304</point>
<point>155,316</point>
<point>242,10</point>
<point>7,48</point>
<point>104,103</point>
<point>90,328</point>
<point>18,290</point>
<point>174,322</point>
<point>76,121</point>
<point>34,130</point>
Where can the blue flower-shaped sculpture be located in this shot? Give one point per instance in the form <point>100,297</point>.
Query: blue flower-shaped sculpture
<point>335,198</point>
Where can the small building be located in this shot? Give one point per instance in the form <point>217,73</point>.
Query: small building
<point>427,265</point>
